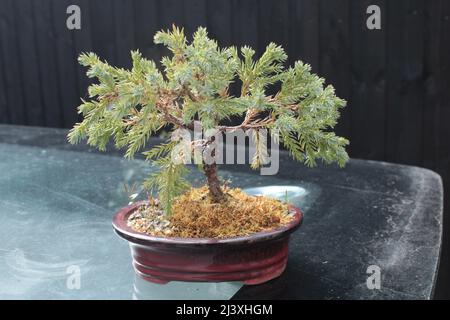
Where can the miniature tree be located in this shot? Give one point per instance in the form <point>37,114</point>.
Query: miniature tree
<point>131,105</point>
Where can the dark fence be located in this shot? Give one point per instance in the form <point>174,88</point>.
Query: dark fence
<point>396,80</point>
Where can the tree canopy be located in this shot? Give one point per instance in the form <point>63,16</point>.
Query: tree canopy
<point>193,84</point>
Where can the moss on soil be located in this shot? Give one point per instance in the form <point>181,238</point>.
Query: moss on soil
<point>196,216</point>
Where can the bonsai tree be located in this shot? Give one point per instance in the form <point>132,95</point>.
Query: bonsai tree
<point>193,87</point>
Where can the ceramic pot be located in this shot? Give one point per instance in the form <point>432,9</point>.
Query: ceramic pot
<point>252,259</point>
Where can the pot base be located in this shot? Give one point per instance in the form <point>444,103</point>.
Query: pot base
<point>251,264</point>
<point>262,278</point>
<point>252,259</point>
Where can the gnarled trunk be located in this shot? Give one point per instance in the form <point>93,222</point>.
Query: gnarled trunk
<point>213,182</point>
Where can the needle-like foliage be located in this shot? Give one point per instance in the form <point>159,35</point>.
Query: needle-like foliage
<point>192,85</point>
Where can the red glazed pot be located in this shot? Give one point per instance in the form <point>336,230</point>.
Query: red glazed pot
<point>252,259</point>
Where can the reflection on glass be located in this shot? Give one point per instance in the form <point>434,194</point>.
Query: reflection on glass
<point>278,192</point>
<point>56,208</point>
<point>178,290</point>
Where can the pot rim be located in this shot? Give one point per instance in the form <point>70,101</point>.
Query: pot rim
<point>121,227</point>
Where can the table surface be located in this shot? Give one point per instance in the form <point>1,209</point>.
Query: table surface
<point>57,201</point>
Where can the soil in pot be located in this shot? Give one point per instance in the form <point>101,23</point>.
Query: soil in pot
<point>194,215</point>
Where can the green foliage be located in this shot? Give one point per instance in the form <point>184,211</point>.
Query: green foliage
<point>261,155</point>
<point>169,181</point>
<point>128,106</point>
<point>257,75</point>
<point>169,178</point>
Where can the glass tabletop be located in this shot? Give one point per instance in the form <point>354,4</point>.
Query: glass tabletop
<point>57,241</point>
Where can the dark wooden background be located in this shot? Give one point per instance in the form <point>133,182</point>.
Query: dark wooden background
<point>396,80</point>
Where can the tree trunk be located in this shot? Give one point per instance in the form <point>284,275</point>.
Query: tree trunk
<point>213,182</point>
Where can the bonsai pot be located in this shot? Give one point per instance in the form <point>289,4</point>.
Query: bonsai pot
<point>252,259</point>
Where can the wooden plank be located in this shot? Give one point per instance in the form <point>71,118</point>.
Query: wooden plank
<point>12,70</point>
<point>171,12</point>
<point>29,64</point>
<point>405,81</point>
<point>66,61</point>
<point>367,105</point>
<point>194,15</point>
<point>124,31</point>
<point>433,85</point>
<point>443,110</point>
<point>309,33</point>
<point>219,19</point>
<point>336,55</point>
<point>12,74</point>
<point>244,26</point>
<point>295,39</point>
<point>82,40</point>
<point>4,110</point>
<point>46,58</point>
<point>103,30</point>
<point>146,24</point>
<point>273,24</point>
